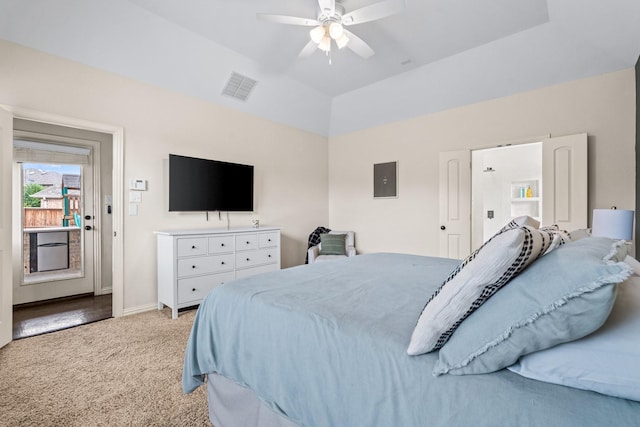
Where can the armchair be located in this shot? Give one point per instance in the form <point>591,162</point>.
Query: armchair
<point>315,252</point>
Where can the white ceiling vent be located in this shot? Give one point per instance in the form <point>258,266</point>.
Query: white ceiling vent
<point>239,86</point>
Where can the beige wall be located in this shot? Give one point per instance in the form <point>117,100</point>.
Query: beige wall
<point>603,107</point>
<point>290,165</point>
<point>293,179</point>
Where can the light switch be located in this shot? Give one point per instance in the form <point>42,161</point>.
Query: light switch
<point>133,209</point>
<point>135,197</point>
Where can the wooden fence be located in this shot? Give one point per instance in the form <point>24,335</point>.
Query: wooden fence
<point>45,217</point>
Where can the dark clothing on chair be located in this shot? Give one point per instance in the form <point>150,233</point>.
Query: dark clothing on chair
<point>314,239</point>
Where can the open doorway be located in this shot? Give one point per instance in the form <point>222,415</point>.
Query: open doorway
<point>506,182</point>
<point>62,213</point>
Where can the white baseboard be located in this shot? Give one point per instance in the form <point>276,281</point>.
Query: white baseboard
<point>139,309</point>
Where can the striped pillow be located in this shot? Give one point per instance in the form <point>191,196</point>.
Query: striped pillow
<point>474,281</point>
<point>560,237</point>
<point>521,221</point>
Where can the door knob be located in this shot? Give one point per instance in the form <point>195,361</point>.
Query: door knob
<point>88,227</point>
<point>442,227</point>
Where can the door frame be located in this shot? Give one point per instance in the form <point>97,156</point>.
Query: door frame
<point>117,134</point>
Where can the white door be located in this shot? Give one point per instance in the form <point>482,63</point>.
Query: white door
<point>564,182</point>
<point>45,275</point>
<point>455,203</point>
<point>6,297</point>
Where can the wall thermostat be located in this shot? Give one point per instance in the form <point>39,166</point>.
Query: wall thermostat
<point>138,184</point>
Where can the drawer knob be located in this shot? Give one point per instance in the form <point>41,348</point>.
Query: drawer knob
<point>222,244</point>
<point>247,259</point>
<point>193,290</point>
<point>222,263</point>
<point>193,266</point>
<point>247,242</point>
<point>268,240</point>
<point>269,256</point>
<point>193,246</point>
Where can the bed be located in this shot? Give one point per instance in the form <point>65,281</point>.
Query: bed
<point>326,345</point>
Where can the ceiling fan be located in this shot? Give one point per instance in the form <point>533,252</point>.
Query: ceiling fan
<point>331,18</point>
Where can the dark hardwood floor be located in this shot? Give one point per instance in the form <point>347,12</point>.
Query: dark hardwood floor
<point>61,313</point>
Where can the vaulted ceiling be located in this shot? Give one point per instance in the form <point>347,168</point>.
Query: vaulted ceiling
<point>432,55</point>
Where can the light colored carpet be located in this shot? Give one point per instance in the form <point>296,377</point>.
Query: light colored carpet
<point>117,372</point>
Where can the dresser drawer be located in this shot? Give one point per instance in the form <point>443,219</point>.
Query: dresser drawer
<point>259,257</point>
<point>246,242</point>
<point>221,244</point>
<point>205,265</point>
<point>259,269</point>
<point>195,289</point>
<point>192,246</point>
<point>268,256</point>
<point>268,240</point>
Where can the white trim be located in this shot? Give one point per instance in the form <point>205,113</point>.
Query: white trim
<point>47,146</point>
<point>117,133</point>
<point>139,309</point>
<point>97,218</point>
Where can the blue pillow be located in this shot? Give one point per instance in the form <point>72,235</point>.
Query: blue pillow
<point>562,296</point>
<point>606,361</point>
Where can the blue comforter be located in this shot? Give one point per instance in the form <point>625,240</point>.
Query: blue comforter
<point>325,345</point>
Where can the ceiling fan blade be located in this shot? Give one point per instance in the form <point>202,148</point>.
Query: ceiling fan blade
<point>308,50</point>
<point>289,20</point>
<point>358,45</point>
<point>327,7</point>
<point>373,12</point>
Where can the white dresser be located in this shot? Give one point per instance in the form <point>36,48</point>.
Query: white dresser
<point>192,262</point>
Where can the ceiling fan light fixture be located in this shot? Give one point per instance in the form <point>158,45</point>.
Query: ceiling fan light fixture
<point>335,30</point>
<point>317,34</point>
<point>342,41</point>
<point>325,44</point>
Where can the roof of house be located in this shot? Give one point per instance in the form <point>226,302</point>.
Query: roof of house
<point>54,192</point>
<point>42,177</point>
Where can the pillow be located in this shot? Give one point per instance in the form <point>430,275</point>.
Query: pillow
<point>520,222</point>
<point>474,281</point>
<point>607,361</point>
<point>563,296</point>
<point>580,233</point>
<point>333,244</point>
<point>560,237</point>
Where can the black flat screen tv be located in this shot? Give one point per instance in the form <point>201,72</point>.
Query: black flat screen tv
<point>209,185</point>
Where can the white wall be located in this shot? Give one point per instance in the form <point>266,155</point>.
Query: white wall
<point>603,107</point>
<point>290,165</point>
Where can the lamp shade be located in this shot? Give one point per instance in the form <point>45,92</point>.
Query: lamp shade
<point>613,223</point>
<point>325,44</point>
<point>342,41</point>
<point>317,33</point>
<point>335,30</point>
